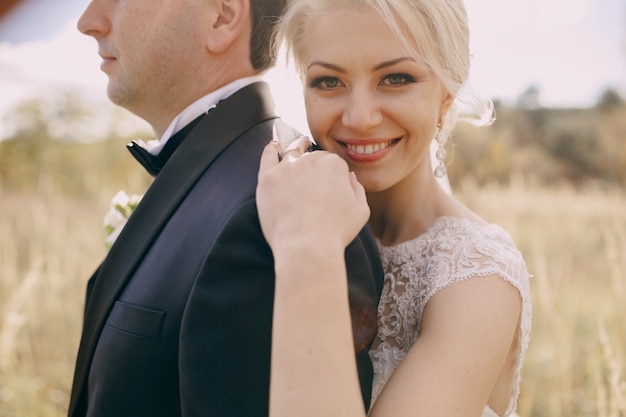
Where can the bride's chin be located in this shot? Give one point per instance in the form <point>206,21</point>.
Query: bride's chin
<point>370,185</point>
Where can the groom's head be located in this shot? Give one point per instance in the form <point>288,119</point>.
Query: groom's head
<point>162,55</point>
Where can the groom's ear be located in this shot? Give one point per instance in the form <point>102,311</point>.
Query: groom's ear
<point>229,23</point>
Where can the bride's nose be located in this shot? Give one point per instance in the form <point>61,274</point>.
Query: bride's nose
<point>362,111</point>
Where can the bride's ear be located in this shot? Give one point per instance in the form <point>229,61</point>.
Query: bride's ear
<point>231,19</point>
<point>445,104</point>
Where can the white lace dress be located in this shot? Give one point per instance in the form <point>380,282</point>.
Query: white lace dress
<point>452,250</point>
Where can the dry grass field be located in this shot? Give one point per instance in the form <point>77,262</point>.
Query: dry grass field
<point>573,240</point>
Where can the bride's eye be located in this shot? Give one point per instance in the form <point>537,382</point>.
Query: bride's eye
<point>325,83</point>
<point>397,79</point>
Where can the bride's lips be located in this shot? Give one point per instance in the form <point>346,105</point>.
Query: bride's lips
<point>367,150</point>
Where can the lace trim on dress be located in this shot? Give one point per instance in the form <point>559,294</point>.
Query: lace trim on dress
<point>452,250</point>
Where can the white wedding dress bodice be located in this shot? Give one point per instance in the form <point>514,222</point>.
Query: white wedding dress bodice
<point>451,250</point>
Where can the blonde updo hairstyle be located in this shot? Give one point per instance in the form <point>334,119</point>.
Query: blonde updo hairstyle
<point>439,28</point>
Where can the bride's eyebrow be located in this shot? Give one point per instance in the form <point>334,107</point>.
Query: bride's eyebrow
<point>327,66</point>
<point>377,67</point>
<point>392,62</point>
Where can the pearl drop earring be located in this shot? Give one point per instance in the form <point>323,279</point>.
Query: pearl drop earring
<point>440,170</point>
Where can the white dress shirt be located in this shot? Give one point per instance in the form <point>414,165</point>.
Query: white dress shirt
<point>195,109</point>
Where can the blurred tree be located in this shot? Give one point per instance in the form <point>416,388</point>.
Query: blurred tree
<point>529,99</point>
<point>54,147</point>
<point>62,117</point>
<point>609,99</point>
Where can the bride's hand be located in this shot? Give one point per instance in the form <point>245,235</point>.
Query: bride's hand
<point>308,199</point>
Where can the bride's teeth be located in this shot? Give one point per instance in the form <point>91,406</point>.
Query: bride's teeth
<point>368,149</point>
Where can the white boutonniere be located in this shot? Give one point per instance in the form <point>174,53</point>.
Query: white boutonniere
<point>122,206</point>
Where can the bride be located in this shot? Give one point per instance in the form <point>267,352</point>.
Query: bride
<point>382,78</point>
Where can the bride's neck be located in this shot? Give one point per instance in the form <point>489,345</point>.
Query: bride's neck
<point>400,215</point>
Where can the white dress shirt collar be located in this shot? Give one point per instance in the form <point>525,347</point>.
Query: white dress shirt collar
<point>196,108</point>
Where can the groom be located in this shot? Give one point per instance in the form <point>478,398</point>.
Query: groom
<point>178,316</point>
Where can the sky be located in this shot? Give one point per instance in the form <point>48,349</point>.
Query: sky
<point>571,50</point>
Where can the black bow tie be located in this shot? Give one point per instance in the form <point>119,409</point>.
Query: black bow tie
<point>154,163</point>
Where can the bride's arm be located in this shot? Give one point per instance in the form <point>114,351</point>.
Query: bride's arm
<point>310,208</point>
<point>313,368</point>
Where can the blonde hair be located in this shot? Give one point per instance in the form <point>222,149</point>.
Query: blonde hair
<point>439,28</point>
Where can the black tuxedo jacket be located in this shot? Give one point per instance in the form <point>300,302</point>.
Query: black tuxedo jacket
<point>178,316</point>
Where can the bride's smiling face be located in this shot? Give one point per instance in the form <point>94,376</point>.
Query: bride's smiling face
<point>367,99</point>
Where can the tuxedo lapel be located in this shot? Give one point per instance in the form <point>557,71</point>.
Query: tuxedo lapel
<point>216,131</point>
